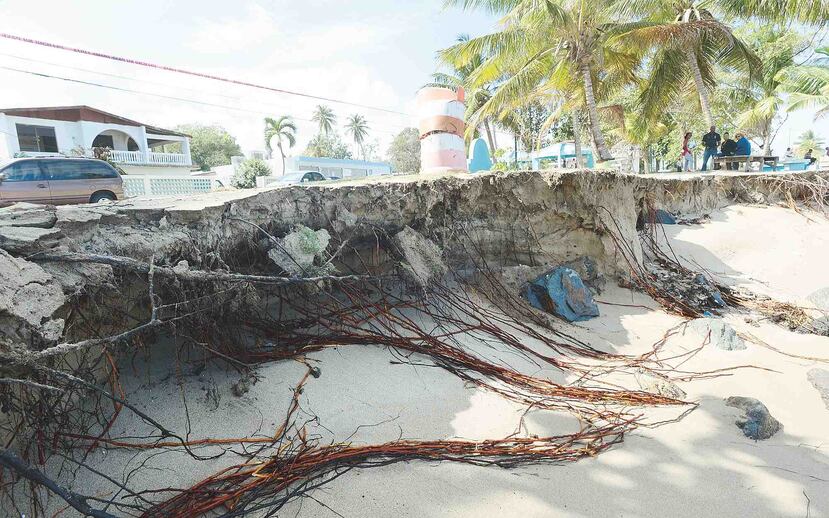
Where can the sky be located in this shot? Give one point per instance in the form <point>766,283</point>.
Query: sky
<point>368,52</point>
<point>374,53</point>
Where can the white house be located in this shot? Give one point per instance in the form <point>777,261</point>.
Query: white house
<point>69,130</point>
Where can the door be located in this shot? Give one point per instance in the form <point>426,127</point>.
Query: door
<point>25,181</point>
<point>68,181</point>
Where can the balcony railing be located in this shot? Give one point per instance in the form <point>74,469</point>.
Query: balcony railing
<point>139,158</point>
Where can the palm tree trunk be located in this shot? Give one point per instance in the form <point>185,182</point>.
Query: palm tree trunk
<point>577,137</point>
<point>593,115</point>
<point>489,137</point>
<point>283,158</point>
<point>647,159</point>
<point>767,138</point>
<point>701,89</point>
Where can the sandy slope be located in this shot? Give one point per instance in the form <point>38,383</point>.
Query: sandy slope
<point>701,466</point>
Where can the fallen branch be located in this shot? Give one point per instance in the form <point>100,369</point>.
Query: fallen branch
<point>78,502</point>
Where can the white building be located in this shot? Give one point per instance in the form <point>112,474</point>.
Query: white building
<point>71,130</point>
<point>336,167</point>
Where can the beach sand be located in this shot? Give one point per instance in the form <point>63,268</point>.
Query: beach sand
<point>700,466</point>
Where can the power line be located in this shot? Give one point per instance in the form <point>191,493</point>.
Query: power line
<point>167,85</point>
<point>162,96</point>
<point>190,73</point>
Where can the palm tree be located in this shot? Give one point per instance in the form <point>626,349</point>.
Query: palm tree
<point>476,97</point>
<point>808,85</point>
<point>280,128</point>
<point>553,50</point>
<point>325,119</point>
<point>809,140</point>
<point>686,40</point>
<point>357,127</point>
<point>777,49</point>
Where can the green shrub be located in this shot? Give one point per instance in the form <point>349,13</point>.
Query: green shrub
<point>245,177</point>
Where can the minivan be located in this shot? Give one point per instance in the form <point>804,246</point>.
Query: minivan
<point>58,181</point>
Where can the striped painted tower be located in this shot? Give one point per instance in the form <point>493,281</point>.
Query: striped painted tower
<point>440,114</point>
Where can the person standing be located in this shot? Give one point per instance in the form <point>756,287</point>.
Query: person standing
<point>789,154</point>
<point>827,151</point>
<point>728,148</point>
<point>687,156</point>
<point>711,141</point>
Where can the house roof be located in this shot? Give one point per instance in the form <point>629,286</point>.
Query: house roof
<point>84,113</point>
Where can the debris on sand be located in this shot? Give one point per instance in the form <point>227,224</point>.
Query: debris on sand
<point>562,292</point>
<point>819,378</point>
<point>695,291</point>
<point>722,335</point>
<point>757,423</point>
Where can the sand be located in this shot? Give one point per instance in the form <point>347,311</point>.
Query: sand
<point>700,466</point>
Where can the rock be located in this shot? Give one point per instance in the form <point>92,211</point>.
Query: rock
<point>28,299</point>
<point>588,271</point>
<point>757,423</point>
<point>658,385</point>
<point>818,326</point>
<point>295,253</point>
<point>723,336</point>
<point>240,388</point>
<point>27,215</point>
<point>28,240</point>
<point>820,299</point>
<point>562,292</point>
<point>664,217</point>
<point>424,261</point>
<point>819,378</point>
<point>181,267</point>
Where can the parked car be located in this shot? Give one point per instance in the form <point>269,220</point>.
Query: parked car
<point>58,181</point>
<point>298,178</point>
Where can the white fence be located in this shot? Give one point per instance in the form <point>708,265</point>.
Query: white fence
<point>166,185</point>
<point>138,158</point>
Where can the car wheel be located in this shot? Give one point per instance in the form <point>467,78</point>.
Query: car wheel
<point>100,196</point>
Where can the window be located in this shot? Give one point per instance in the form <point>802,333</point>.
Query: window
<point>103,141</point>
<point>37,138</point>
<point>78,170</point>
<point>25,171</point>
<point>98,170</point>
<point>303,167</point>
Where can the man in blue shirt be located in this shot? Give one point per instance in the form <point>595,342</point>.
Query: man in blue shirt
<point>743,145</point>
<point>711,141</point>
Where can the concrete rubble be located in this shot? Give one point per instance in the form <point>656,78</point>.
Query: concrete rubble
<point>722,335</point>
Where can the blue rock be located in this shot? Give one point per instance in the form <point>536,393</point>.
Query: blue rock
<point>664,217</point>
<point>562,293</point>
<point>757,423</point>
<point>480,159</point>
